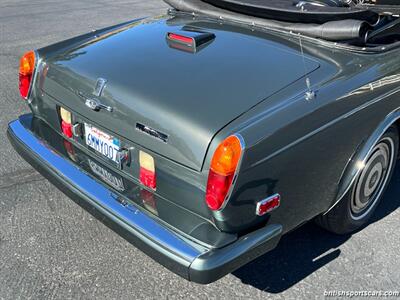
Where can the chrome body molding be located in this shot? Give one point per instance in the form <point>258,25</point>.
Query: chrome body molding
<point>38,64</point>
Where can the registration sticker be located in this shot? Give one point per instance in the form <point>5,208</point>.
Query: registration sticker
<point>102,142</point>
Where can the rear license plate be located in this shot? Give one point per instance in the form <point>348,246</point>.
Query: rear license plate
<point>102,142</point>
<point>115,181</point>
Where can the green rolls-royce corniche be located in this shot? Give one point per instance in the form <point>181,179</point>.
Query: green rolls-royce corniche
<point>204,135</point>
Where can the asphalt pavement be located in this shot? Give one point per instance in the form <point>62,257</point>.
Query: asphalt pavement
<point>52,249</point>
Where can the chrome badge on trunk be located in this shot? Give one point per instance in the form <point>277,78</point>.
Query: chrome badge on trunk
<point>93,103</point>
<point>99,88</point>
<point>152,132</point>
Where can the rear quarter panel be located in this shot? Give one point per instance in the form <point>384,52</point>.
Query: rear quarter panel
<point>299,148</point>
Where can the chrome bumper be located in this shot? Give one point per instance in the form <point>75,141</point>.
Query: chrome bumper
<point>182,256</point>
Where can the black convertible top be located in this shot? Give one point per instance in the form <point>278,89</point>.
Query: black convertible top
<point>298,11</point>
<point>371,23</point>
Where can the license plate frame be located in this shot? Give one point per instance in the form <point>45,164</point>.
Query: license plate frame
<point>104,144</point>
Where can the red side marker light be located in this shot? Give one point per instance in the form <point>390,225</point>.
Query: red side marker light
<point>267,205</point>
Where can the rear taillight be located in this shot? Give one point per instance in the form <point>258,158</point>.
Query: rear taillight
<point>222,171</point>
<point>26,71</point>
<point>147,174</point>
<point>66,122</point>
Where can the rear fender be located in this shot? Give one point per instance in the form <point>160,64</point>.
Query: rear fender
<point>359,158</point>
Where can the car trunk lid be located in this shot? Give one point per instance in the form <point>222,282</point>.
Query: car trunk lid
<point>156,90</point>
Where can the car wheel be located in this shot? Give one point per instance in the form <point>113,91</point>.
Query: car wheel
<point>358,205</point>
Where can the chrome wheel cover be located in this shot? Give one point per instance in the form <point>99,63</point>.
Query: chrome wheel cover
<point>373,178</point>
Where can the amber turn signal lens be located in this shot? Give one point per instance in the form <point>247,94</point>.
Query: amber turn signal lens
<point>26,69</point>
<point>227,156</point>
<point>27,63</point>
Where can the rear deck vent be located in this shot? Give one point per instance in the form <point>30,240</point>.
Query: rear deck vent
<point>189,40</point>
